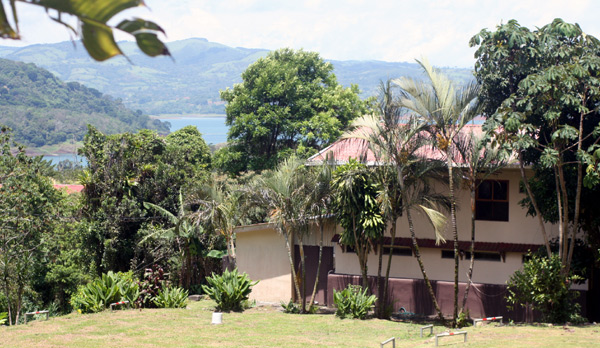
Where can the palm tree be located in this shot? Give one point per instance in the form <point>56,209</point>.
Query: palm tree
<point>446,109</point>
<point>479,162</point>
<point>182,232</point>
<point>319,206</point>
<point>285,194</point>
<point>221,207</point>
<point>397,140</point>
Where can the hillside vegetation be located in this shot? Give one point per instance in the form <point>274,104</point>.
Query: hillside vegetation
<point>43,110</point>
<point>190,82</point>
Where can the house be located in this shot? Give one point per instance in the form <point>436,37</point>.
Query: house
<point>504,235</point>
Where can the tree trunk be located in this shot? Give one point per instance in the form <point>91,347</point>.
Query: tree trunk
<point>454,234</point>
<point>538,213</point>
<point>575,226</point>
<point>472,249</point>
<point>314,292</point>
<point>389,264</point>
<point>291,259</point>
<point>380,304</point>
<point>425,278</point>
<point>303,273</point>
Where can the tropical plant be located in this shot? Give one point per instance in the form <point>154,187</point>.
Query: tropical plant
<point>183,233</point>
<point>542,286</point>
<point>291,307</point>
<point>396,140</point>
<point>447,109</point>
<point>3,318</point>
<point>285,193</point>
<point>101,292</point>
<point>229,290</point>
<point>221,208</point>
<point>171,298</point>
<point>545,108</point>
<point>357,211</point>
<point>353,302</point>
<point>96,35</point>
<point>154,281</point>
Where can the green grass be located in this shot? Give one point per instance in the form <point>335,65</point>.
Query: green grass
<point>267,327</point>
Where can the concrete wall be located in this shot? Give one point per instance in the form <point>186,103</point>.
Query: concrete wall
<point>261,253</point>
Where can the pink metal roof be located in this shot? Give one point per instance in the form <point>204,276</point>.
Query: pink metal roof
<point>343,149</point>
<point>69,188</point>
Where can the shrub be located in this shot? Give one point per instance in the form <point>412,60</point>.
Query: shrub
<point>290,307</point>
<point>541,285</point>
<point>101,292</point>
<point>171,298</point>
<point>353,302</point>
<point>3,318</point>
<point>153,283</point>
<point>230,290</point>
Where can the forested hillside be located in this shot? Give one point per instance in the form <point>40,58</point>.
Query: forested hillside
<point>190,82</point>
<point>43,110</point>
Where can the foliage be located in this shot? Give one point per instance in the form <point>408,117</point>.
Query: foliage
<point>98,294</point>
<point>291,307</point>
<point>28,202</point>
<point>353,302</point>
<point>229,290</point>
<point>125,171</point>
<point>3,318</point>
<point>541,89</point>
<point>44,110</point>
<point>289,102</point>
<point>152,284</point>
<point>171,297</point>
<point>96,34</point>
<point>542,285</point>
<point>357,210</point>
<point>447,108</point>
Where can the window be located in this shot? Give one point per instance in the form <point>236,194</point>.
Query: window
<point>397,250</point>
<point>447,254</point>
<point>491,200</point>
<point>484,256</point>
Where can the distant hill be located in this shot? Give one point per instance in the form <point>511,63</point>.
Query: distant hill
<point>43,110</point>
<point>190,82</point>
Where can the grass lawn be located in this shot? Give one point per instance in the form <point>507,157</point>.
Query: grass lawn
<point>267,327</point>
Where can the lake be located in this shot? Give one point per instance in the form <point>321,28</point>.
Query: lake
<point>213,129</point>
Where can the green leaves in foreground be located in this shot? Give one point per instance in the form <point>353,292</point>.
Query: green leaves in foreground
<point>230,290</point>
<point>97,36</point>
<point>353,302</point>
<point>171,298</point>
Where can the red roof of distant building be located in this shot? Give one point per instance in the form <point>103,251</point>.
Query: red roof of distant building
<point>69,188</point>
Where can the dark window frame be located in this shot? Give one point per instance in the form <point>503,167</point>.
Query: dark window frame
<point>397,250</point>
<point>496,205</point>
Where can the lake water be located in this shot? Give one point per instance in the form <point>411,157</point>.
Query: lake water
<point>213,129</point>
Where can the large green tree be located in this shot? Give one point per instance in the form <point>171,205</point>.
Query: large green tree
<point>28,212</point>
<point>126,170</point>
<point>289,101</point>
<point>541,91</point>
<point>97,36</point>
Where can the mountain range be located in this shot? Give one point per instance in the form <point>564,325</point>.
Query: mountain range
<point>189,82</point>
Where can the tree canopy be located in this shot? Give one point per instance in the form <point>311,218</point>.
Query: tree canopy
<point>97,36</point>
<point>289,101</point>
<point>540,91</point>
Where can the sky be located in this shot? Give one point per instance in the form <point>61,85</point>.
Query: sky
<point>387,30</point>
